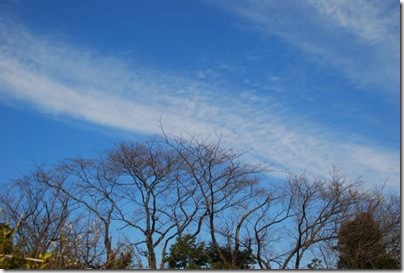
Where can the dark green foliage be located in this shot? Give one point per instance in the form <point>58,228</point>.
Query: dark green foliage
<point>244,259</point>
<point>6,242</point>
<point>386,261</point>
<point>361,245</point>
<point>65,217</point>
<point>187,254</point>
<point>15,260</point>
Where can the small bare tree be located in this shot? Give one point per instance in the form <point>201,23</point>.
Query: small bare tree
<point>89,185</point>
<point>37,213</point>
<point>224,185</point>
<point>318,208</point>
<point>151,192</point>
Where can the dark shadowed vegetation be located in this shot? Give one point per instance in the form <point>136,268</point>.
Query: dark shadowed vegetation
<point>189,204</point>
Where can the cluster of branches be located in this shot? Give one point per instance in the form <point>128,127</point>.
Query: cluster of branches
<point>128,207</point>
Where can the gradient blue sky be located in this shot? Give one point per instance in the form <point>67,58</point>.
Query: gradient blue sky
<point>307,85</point>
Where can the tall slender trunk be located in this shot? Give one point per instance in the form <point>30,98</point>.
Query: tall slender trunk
<point>151,254</point>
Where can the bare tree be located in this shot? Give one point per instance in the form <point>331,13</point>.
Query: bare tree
<point>302,217</point>
<point>318,209</point>
<point>224,184</point>
<point>38,214</point>
<point>149,189</point>
<point>90,185</point>
<point>161,189</point>
<point>385,209</point>
<point>266,228</point>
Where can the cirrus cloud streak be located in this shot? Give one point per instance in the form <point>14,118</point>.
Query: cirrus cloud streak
<point>58,78</point>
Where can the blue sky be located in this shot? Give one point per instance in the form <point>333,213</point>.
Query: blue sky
<point>306,85</point>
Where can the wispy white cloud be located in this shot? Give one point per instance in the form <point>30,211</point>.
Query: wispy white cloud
<point>369,20</point>
<point>360,38</point>
<point>62,79</point>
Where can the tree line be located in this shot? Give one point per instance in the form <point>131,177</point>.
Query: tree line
<point>171,202</point>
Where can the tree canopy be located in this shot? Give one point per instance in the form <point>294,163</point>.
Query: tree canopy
<point>361,245</point>
<point>170,202</point>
